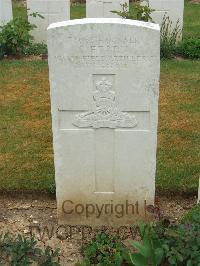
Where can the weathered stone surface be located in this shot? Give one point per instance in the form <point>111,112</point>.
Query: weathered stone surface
<point>104,78</point>
<point>103,8</point>
<point>5,11</point>
<point>173,9</point>
<point>51,10</point>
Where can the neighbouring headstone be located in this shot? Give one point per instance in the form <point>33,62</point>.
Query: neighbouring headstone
<point>51,10</point>
<point>104,79</point>
<point>199,193</point>
<point>173,9</point>
<point>5,11</point>
<point>103,8</point>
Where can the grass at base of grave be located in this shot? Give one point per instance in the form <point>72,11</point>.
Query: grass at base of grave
<point>26,160</point>
<point>178,167</point>
<point>26,156</point>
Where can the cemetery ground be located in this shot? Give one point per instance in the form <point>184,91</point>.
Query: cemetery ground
<point>26,129</point>
<point>26,158</point>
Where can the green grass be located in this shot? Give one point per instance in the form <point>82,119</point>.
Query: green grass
<point>193,216</point>
<point>191,20</point>
<point>26,156</point>
<point>178,167</point>
<point>78,11</point>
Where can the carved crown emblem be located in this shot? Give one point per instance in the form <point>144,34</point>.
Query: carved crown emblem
<point>106,113</point>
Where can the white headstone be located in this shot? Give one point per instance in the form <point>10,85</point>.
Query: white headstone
<point>103,8</point>
<point>5,11</point>
<point>199,193</point>
<point>51,10</point>
<point>173,9</point>
<point>104,79</point>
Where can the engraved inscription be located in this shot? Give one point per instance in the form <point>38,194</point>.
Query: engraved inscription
<point>106,113</point>
<point>104,61</point>
<point>104,52</point>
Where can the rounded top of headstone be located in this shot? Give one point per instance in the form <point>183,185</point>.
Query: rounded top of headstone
<point>120,21</point>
